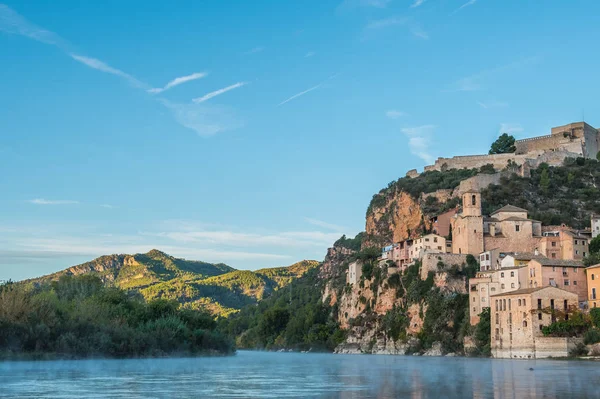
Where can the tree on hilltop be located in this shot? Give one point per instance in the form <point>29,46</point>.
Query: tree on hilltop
<point>503,145</point>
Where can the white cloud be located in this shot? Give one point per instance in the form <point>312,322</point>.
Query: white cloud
<point>309,54</point>
<point>419,32</point>
<point>107,206</point>
<point>307,90</point>
<point>325,225</point>
<point>492,104</point>
<point>205,120</point>
<point>103,67</point>
<point>476,81</point>
<point>419,141</point>
<point>13,23</point>
<point>417,3</point>
<point>254,50</point>
<point>42,201</point>
<point>218,92</point>
<point>386,22</point>
<point>178,81</point>
<point>395,114</point>
<point>510,128</point>
<point>467,4</point>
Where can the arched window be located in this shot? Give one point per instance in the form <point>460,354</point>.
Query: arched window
<point>519,302</point>
<point>473,199</point>
<point>524,323</point>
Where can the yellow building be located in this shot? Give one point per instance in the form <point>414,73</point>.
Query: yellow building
<point>593,285</point>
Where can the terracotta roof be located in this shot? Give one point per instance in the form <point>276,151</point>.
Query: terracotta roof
<point>593,266</point>
<point>526,291</point>
<point>559,262</point>
<point>509,208</point>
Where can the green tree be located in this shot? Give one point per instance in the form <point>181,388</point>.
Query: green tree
<point>595,245</point>
<point>545,181</point>
<point>482,333</point>
<point>504,144</point>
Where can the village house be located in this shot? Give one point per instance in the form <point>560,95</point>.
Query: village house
<point>518,259</point>
<point>487,283</point>
<point>563,242</point>
<point>568,275</point>
<point>440,224</point>
<point>595,226</point>
<point>517,319</point>
<point>593,285</point>
<point>354,272</point>
<point>432,243</point>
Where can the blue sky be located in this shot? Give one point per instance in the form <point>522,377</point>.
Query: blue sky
<point>255,133</point>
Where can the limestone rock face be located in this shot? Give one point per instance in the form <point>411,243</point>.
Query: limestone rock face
<point>435,350</point>
<point>400,218</point>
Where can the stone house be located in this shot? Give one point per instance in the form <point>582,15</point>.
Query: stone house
<point>595,226</point>
<point>354,272</point>
<point>487,283</point>
<point>513,259</point>
<point>568,275</point>
<point>440,224</point>
<point>563,242</point>
<point>431,243</point>
<point>517,319</point>
<point>593,285</point>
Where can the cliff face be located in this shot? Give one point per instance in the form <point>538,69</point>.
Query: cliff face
<point>398,218</point>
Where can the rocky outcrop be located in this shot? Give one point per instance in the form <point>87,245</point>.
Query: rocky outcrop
<point>401,217</point>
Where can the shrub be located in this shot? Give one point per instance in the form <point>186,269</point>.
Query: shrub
<point>592,336</point>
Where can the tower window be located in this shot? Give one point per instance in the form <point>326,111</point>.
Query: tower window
<point>473,199</point>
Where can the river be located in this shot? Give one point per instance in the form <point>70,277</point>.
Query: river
<point>301,375</point>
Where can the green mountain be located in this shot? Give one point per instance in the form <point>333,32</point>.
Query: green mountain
<point>217,288</point>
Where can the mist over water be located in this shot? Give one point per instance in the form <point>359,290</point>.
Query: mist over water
<point>296,375</point>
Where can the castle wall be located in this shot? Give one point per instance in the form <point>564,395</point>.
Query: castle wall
<point>499,161</point>
<point>477,183</point>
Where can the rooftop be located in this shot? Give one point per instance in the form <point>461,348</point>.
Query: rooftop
<point>558,262</point>
<point>509,208</point>
<point>526,291</point>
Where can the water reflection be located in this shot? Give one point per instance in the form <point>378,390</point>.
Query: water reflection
<point>291,375</point>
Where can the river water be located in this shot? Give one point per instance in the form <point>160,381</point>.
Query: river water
<point>298,375</point>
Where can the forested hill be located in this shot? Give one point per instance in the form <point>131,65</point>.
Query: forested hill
<point>217,288</point>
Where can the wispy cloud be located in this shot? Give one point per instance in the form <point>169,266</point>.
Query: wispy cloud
<point>309,54</point>
<point>386,22</point>
<point>218,92</point>
<point>510,128</point>
<point>254,50</point>
<point>395,114</point>
<point>320,223</point>
<point>476,81</point>
<point>103,67</point>
<point>107,206</point>
<point>307,90</point>
<point>205,120</point>
<point>178,81</point>
<point>417,3</point>
<point>13,23</point>
<point>42,201</point>
<point>467,4</point>
<point>492,104</point>
<point>419,141</point>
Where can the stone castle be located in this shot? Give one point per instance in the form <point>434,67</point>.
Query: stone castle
<point>574,140</point>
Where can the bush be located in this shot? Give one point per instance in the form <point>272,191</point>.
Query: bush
<point>592,336</point>
<point>595,316</point>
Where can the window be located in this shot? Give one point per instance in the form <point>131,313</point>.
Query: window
<point>553,267</point>
<point>524,323</point>
<point>539,316</point>
<point>574,270</point>
<point>566,305</point>
<point>493,289</point>
<point>512,285</point>
<point>574,282</point>
<point>575,242</point>
<point>519,302</point>
<point>504,304</point>
<point>553,256</point>
<point>473,299</point>
<point>497,320</point>
<point>510,315</point>
<point>539,304</point>
<point>482,257</point>
<point>434,239</point>
<point>552,304</point>
<point>483,299</point>
<point>593,293</point>
<point>553,243</point>
<point>566,283</point>
<point>592,276</point>
<point>502,286</point>
<point>524,304</point>
<point>496,306</point>
<point>473,199</point>
<point>487,257</point>
<point>541,327</point>
<point>502,274</point>
<point>427,239</point>
<point>512,274</point>
<point>576,252</point>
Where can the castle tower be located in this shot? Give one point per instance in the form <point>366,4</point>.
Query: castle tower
<point>471,201</point>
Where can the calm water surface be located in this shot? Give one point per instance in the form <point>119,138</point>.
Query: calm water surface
<point>296,375</point>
